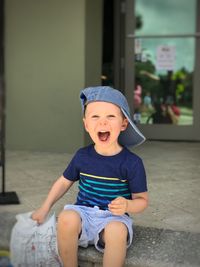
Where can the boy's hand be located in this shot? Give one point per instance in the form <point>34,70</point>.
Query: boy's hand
<point>118,206</point>
<point>39,215</point>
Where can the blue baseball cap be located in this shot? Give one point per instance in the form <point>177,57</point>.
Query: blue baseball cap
<point>131,136</point>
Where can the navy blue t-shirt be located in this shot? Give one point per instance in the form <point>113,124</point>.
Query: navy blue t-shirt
<point>103,178</point>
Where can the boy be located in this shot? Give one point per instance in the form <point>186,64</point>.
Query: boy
<point>112,182</point>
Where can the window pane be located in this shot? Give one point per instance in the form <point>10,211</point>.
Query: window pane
<point>164,80</point>
<point>165,17</point>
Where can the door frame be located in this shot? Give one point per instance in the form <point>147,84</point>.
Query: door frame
<point>163,131</point>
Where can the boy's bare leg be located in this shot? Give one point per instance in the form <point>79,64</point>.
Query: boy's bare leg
<point>69,227</point>
<point>115,238</point>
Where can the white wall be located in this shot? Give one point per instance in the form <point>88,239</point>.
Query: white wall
<point>45,59</point>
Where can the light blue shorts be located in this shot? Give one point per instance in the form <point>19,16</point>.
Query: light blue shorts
<point>94,221</point>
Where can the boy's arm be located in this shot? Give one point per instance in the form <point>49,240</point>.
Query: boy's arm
<point>59,188</point>
<point>121,205</point>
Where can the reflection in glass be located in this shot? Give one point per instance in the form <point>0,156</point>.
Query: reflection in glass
<point>165,17</point>
<point>164,66</point>
<point>163,80</point>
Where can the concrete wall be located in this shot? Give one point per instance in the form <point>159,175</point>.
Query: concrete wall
<point>47,62</point>
<point>93,48</point>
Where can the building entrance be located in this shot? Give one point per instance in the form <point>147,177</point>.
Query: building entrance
<point>162,72</point>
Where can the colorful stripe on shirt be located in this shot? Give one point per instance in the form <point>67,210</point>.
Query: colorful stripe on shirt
<point>100,191</point>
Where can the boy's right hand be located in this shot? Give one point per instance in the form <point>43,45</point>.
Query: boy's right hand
<point>39,215</point>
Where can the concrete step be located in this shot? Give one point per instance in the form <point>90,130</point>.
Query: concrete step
<point>152,247</point>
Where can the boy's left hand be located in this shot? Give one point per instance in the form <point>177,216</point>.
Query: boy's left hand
<point>118,206</point>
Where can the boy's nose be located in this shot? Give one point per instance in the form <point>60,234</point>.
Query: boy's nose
<point>103,121</point>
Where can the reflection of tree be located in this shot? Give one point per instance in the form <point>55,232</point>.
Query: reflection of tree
<point>178,84</point>
<point>148,83</point>
<point>187,95</point>
<point>183,86</point>
<point>139,22</point>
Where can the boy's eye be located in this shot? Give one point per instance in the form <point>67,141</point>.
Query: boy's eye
<point>95,117</point>
<point>111,116</point>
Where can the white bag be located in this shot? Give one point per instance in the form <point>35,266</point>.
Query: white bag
<point>33,245</point>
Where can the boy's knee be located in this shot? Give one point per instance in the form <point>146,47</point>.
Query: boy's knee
<point>115,230</point>
<point>70,219</point>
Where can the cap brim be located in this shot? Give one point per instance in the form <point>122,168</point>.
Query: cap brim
<point>132,135</point>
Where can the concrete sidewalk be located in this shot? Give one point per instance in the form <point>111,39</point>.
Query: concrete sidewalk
<point>166,234</point>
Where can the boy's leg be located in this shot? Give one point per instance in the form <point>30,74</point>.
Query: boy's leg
<point>115,238</point>
<point>69,228</point>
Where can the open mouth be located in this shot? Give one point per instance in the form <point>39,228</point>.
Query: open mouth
<point>103,136</point>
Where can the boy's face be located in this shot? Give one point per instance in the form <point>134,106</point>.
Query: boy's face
<point>104,122</point>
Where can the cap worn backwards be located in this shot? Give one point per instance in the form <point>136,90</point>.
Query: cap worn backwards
<point>131,136</point>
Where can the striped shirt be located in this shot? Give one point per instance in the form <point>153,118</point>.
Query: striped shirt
<point>104,178</point>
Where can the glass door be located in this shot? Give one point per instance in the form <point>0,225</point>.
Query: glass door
<point>162,67</point>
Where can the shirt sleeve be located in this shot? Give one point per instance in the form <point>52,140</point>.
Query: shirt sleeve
<point>72,171</point>
<point>137,177</point>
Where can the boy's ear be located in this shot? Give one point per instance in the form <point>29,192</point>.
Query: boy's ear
<point>85,124</point>
<point>124,124</point>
